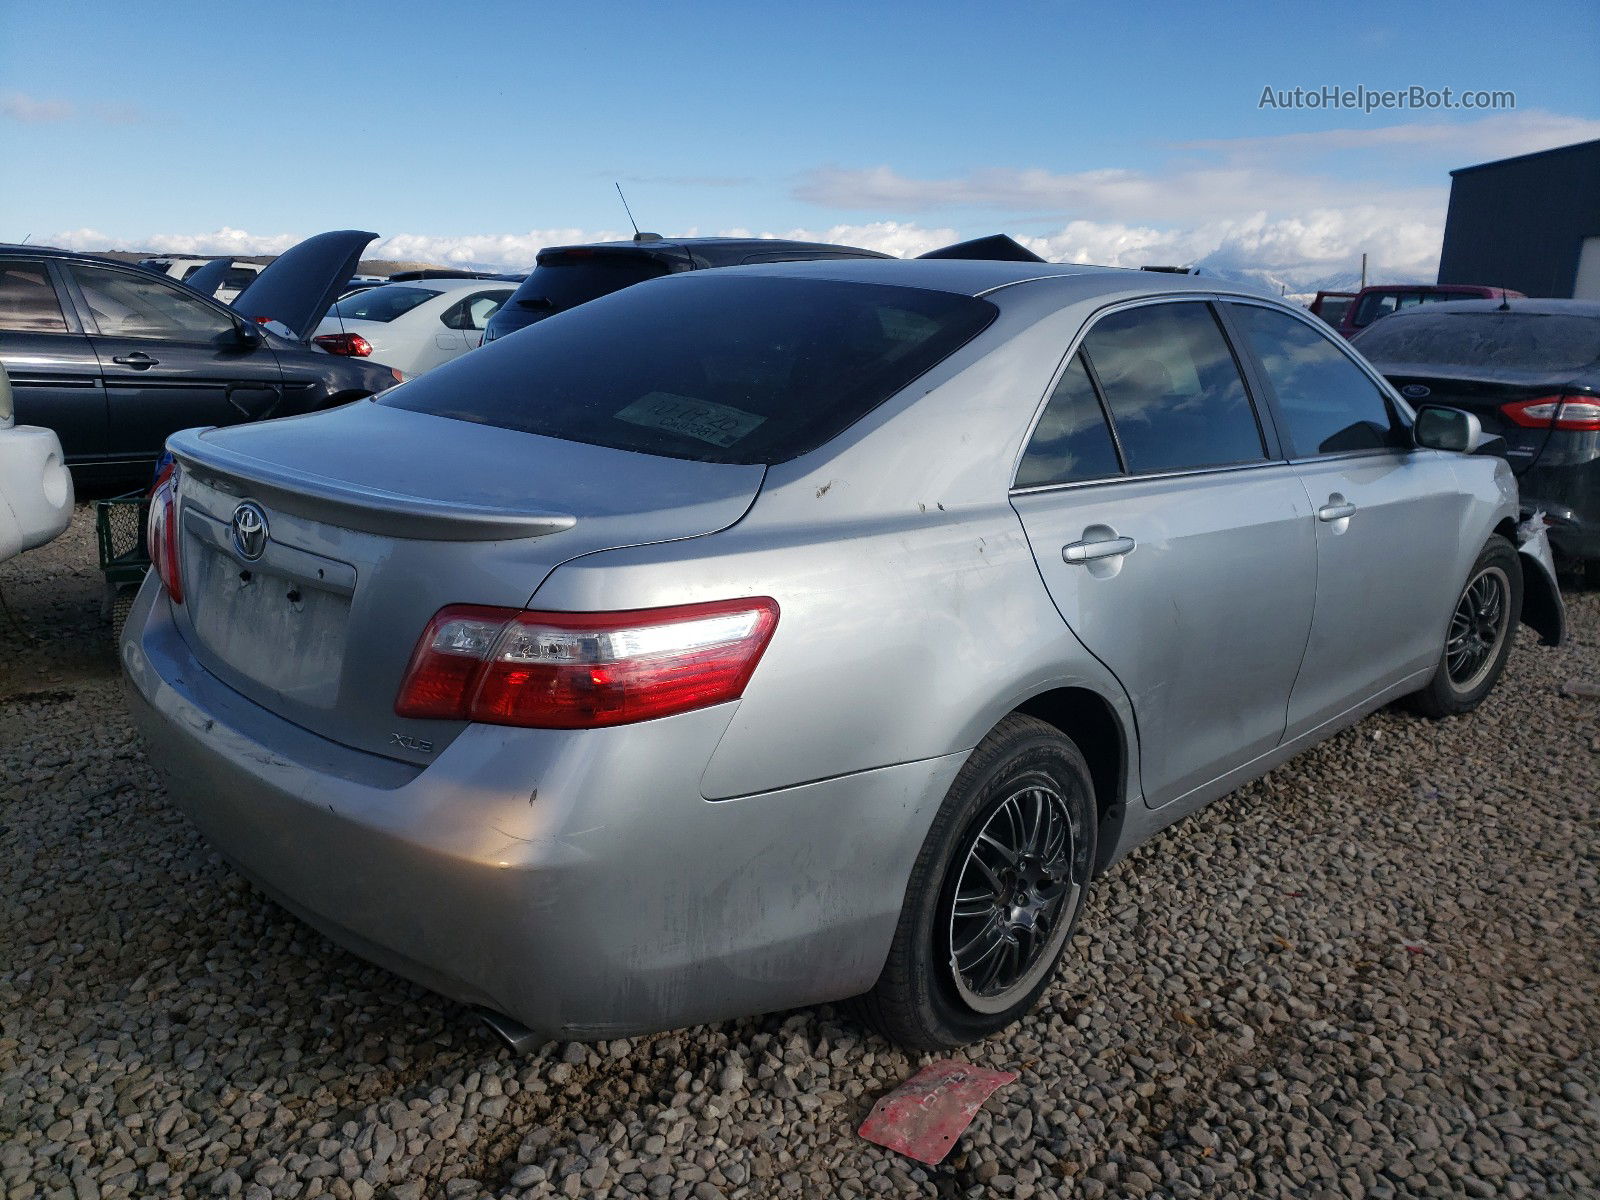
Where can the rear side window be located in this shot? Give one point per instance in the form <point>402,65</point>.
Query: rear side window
<point>1328,403</point>
<point>28,302</point>
<point>1072,441</point>
<point>566,279</point>
<point>1173,388</point>
<point>474,311</point>
<point>381,303</point>
<point>706,366</point>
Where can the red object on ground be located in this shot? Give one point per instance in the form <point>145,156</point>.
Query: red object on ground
<point>923,1117</point>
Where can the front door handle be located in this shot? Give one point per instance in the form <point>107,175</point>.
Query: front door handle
<point>1082,552</point>
<point>1332,511</point>
<point>138,360</point>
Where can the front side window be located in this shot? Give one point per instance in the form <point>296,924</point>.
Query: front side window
<point>28,302</point>
<point>709,366</point>
<point>1173,388</point>
<point>124,304</point>
<point>1328,403</point>
<point>1072,441</point>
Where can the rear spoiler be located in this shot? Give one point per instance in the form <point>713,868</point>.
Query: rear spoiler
<point>319,498</point>
<point>997,247</point>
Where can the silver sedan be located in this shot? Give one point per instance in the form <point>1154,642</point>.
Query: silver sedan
<point>784,634</point>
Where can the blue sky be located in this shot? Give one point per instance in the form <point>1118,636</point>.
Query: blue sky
<point>476,133</point>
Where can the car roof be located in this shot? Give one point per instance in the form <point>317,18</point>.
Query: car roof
<point>1546,307</point>
<point>979,277</point>
<point>445,286</point>
<point>720,251</point>
<point>13,250</point>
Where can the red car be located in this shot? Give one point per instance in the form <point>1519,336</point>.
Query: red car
<point>1370,303</point>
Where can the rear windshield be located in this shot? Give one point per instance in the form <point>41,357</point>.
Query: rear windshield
<point>566,279</point>
<point>1381,304</point>
<point>707,367</point>
<point>381,303</point>
<point>1555,342</point>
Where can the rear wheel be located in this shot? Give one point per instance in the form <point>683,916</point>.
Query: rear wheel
<point>994,894</point>
<point>1478,639</point>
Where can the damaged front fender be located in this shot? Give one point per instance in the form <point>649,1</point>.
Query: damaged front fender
<point>1543,610</point>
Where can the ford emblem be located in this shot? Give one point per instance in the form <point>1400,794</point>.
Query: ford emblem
<point>1415,391</point>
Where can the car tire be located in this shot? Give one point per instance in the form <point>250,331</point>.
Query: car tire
<point>1479,634</point>
<point>1591,574</point>
<point>1017,826</point>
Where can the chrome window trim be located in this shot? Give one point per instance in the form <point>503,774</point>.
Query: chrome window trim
<point>1093,319</point>
<point>1193,472</point>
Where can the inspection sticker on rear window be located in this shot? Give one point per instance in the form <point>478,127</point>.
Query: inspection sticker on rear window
<point>702,420</point>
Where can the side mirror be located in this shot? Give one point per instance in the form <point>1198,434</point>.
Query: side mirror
<point>1440,428</point>
<point>245,334</point>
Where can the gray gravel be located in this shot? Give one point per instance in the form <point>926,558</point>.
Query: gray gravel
<point>1371,974</point>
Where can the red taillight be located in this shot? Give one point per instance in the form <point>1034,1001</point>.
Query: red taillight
<point>352,345</point>
<point>161,535</point>
<point>550,670</point>
<point>1575,413</point>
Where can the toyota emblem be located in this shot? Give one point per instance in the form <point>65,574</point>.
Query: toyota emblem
<point>249,531</point>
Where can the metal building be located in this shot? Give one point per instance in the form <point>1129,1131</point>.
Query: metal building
<point>1530,223</point>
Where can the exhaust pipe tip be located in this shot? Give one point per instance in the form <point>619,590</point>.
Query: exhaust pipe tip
<point>513,1035</point>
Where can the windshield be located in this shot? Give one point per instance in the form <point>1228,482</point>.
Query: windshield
<point>381,303</point>
<point>1548,341</point>
<point>566,279</point>
<point>707,367</point>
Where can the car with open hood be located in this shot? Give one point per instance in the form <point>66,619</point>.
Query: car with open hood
<point>752,638</point>
<point>113,358</point>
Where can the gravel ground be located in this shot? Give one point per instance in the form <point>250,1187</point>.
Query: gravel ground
<point>1372,973</point>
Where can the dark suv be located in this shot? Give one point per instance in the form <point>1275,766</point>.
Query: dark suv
<point>115,358</point>
<point>567,276</point>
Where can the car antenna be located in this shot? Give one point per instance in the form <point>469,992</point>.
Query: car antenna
<point>1505,301</point>
<point>637,236</point>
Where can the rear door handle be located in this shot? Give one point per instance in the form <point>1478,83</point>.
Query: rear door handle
<point>138,360</point>
<point>1082,552</point>
<point>1336,512</point>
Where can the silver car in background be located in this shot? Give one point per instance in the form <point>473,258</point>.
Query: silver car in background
<point>774,635</point>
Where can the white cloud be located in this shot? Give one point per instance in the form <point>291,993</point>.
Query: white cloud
<point>34,110</point>
<point>1463,143</point>
<point>22,107</point>
<point>1304,251</point>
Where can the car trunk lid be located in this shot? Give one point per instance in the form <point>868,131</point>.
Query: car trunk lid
<point>301,284</point>
<point>375,518</point>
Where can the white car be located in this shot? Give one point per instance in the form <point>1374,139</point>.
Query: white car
<point>35,488</point>
<point>413,326</point>
<point>234,277</point>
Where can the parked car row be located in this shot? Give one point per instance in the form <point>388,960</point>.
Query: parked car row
<point>856,614</point>
<point>114,358</point>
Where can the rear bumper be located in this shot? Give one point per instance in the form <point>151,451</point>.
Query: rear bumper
<point>1569,496</point>
<point>35,489</point>
<point>576,881</point>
